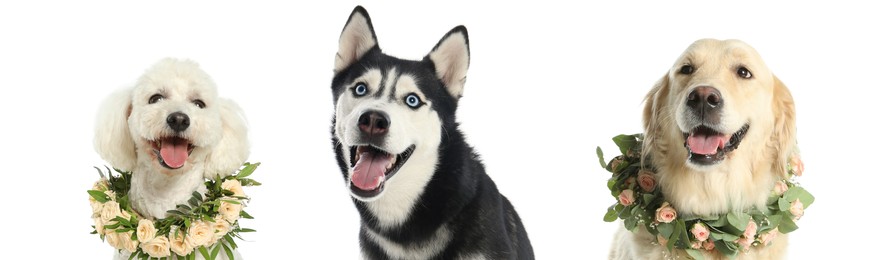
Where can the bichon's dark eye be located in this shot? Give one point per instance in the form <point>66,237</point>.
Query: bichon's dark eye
<point>413,101</point>
<point>744,73</point>
<point>360,89</point>
<point>687,69</point>
<point>155,98</point>
<point>199,103</point>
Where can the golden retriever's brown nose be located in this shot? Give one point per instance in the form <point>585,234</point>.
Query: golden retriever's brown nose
<point>178,121</point>
<point>374,122</point>
<point>704,99</point>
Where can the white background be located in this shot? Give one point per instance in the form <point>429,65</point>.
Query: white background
<point>548,83</point>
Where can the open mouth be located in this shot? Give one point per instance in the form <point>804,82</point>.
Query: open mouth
<point>172,152</point>
<point>372,166</point>
<point>707,146</point>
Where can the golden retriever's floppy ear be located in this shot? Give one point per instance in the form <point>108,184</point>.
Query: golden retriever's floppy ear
<point>113,141</point>
<point>451,57</point>
<point>652,114</point>
<point>356,39</point>
<point>233,149</point>
<point>784,136</point>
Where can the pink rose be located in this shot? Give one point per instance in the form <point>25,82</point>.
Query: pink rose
<point>797,209</point>
<point>646,180</point>
<point>708,245</point>
<point>700,231</point>
<point>630,181</point>
<point>797,165</point>
<point>780,188</point>
<point>615,163</point>
<point>695,244</point>
<point>751,230</point>
<point>767,237</point>
<point>626,197</point>
<point>665,213</point>
<point>745,243</point>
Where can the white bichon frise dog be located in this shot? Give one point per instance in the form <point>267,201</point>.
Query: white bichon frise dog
<point>171,130</point>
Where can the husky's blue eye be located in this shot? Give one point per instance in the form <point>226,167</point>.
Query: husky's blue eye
<point>413,101</point>
<point>360,89</point>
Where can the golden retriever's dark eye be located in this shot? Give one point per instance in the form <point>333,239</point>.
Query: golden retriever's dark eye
<point>155,98</point>
<point>199,103</point>
<point>687,69</point>
<point>745,73</point>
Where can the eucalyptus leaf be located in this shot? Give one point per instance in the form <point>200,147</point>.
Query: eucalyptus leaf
<point>738,220</point>
<point>625,142</point>
<point>600,157</point>
<point>611,215</point>
<point>695,254</point>
<point>666,229</point>
<point>787,224</point>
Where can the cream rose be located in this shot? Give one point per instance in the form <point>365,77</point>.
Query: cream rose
<point>221,228</point>
<point>626,197</point>
<point>199,234</point>
<point>646,180</point>
<point>99,225</point>
<point>179,244</point>
<point>751,230</point>
<point>113,239</point>
<point>145,231</point>
<point>797,209</point>
<point>665,213</point>
<point>127,243</point>
<point>100,185</point>
<point>96,206</point>
<point>110,210</point>
<point>780,188</point>
<point>700,231</point>
<point>157,247</point>
<point>111,194</point>
<point>745,243</point>
<point>233,186</point>
<point>230,211</point>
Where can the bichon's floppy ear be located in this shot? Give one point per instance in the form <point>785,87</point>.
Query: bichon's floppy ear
<point>356,39</point>
<point>785,136</point>
<point>113,142</point>
<point>653,112</point>
<point>451,57</point>
<point>233,149</point>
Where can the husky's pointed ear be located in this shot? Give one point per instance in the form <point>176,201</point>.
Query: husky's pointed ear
<point>357,38</point>
<point>233,149</point>
<point>113,141</point>
<point>785,136</point>
<point>451,57</point>
<point>653,114</point>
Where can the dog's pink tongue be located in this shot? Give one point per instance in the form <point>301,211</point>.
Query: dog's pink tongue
<point>706,144</point>
<point>369,171</point>
<point>174,152</point>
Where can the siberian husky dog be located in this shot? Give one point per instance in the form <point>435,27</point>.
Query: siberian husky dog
<point>421,191</point>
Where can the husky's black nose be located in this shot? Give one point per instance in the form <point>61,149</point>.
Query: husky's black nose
<point>706,102</point>
<point>178,121</point>
<point>374,122</point>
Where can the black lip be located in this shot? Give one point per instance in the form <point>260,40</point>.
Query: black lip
<point>401,159</point>
<point>711,159</point>
<point>156,146</point>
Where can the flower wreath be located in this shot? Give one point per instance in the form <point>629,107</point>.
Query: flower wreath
<point>641,203</point>
<point>202,225</point>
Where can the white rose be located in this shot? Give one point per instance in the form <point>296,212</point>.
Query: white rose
<point>145,231</point>
<point>127,243</point>
<point>230,211</point>
<point>199,234</point>
<point>234,186</point>
<point>157,247</point>
<point>110,211</point>
<point>179,244</point>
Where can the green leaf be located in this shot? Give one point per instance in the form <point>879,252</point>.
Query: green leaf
<point>203,252</point>
<point>695,254</point>
<point>679,227</point>
<point>131,256</point>
<point>625,142</point>
<point>232,201</point>
<point>600,157</point>
<point>666,229</point>
<point>193,201</point>
<point>245,215</point>
<point>798,192</point>
<point>215,250</point>
<point>99,196</point>
<point>249,182</point>
<point>611,215</point>
<point>787,224</point>
<point>738,220</point>
<point>247,170</point>
<point>228,251</point>
<point>726,247</point>
<point>176,212</point>
<point>783,204</point>
<point>245,230</point>
<point>230,241</point>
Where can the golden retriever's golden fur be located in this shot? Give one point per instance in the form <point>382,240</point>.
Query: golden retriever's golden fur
<point>745,176</point>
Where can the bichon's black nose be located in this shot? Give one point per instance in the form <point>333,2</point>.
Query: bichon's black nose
<point>178,121</point>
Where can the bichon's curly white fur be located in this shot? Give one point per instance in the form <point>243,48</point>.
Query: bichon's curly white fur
<point>170,130</point>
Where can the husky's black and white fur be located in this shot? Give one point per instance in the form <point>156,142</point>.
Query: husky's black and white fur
<point>421,191</point>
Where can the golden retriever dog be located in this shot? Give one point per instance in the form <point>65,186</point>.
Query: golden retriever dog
<point>717,95</point>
